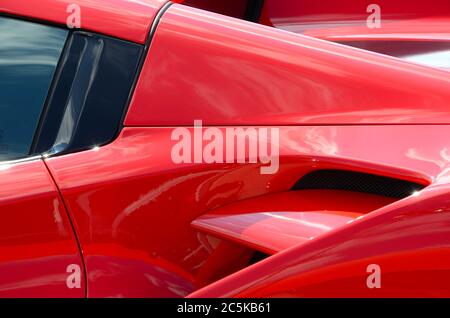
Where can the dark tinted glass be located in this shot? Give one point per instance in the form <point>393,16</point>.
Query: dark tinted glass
<point>92,87</point>
<point>29,53</point>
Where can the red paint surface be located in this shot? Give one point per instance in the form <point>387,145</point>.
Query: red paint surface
<point>347,20</point>
<point>133,206</point>
<point>125,19</point>
<point>418,29</point>
<point>36,239</point>
<point>230,72</point>
<point>275,222</point>
<point>409,240</point>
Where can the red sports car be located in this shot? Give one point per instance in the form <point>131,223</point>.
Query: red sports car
<point>216,148</point>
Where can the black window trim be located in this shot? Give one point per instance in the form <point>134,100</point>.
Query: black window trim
<point>50,92</point>
<point>55,109</point>
<point>33,154</point>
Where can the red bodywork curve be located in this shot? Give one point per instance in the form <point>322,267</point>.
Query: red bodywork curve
<point>275,222</point>
<point>126,19</point>
<point>230,72</point>
<point>133,206</point>
<point>409,240</point>
<point>37,243</point>
<point>347,20</point>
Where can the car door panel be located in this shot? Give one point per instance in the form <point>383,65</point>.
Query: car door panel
<point>39,256</point>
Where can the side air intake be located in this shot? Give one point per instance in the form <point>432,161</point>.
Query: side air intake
<point>358,182</point>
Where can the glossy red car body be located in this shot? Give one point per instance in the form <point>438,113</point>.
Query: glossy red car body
<point>139,225</point>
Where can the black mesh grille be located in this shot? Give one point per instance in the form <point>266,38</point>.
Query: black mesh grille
<point>356,181</point>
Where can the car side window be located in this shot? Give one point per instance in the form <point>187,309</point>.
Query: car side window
<point>29,54</point>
